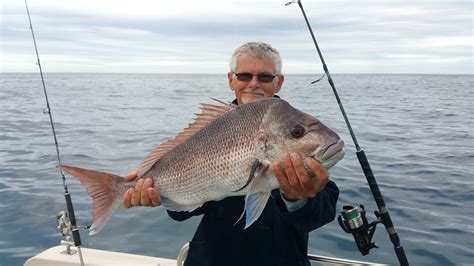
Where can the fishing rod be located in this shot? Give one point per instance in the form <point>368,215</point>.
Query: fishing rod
<point>353,219</point>
<point>70,209</point>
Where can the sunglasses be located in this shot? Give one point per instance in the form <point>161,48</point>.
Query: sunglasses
<point>262,78</point>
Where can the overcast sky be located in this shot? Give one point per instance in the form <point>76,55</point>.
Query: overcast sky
<point>190,36</point>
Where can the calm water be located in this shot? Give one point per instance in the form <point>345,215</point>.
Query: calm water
<point>417,131</point>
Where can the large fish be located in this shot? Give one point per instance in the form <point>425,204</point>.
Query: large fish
<point>227,151</point>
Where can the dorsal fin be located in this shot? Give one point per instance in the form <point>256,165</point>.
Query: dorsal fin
<point>209,113</point>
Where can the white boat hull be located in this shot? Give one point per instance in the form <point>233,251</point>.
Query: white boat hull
<point>56,256</point>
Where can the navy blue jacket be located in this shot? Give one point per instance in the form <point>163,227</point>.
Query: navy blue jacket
<point>278,237</point>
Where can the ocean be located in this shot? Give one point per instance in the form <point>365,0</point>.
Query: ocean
<point>417,132</point>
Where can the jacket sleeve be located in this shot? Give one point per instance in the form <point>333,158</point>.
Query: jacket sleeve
<point>317,211</point>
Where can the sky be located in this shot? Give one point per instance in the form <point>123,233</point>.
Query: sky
<point>190,36</point>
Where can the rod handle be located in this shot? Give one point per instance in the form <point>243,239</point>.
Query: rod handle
<point>72,217</point>
<point>402,257</point>
<point>70,209</point>
<point>369,175</point>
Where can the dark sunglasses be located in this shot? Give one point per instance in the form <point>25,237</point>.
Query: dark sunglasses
<point>262,78</point>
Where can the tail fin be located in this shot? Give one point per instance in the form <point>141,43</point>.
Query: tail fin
<point>105,190</point>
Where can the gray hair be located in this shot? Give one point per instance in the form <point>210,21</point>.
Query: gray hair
<point>259,50</point>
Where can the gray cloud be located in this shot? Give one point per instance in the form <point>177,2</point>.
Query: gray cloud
<point>356,37</point>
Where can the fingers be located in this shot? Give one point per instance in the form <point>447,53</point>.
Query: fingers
<point>304,179</point>
<point>136,195</point>
<point>307,180</point>
<point>279,170</point>
<point>144,199</point>
<point>143,194</point>
<point>295,181</point>
<point>155,199</point>
<point>127,198</point>
<point>131,175</point>
<point>321,175</point>
<point>130,196</point>
<point>287,176</point>
<point>291,171</point>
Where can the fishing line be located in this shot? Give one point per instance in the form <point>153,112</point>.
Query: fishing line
<point>47,110</point>
<point>354,220</point>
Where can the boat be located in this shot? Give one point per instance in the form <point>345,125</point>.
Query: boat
<point>66,254</point>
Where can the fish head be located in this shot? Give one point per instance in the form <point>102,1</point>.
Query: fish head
<point>287,129</point>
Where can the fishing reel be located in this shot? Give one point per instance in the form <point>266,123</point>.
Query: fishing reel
<point>69,232</point>
<point>352,220</point>
<point>65,228</point>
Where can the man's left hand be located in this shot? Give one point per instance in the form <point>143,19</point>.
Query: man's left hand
<point>295,182</point>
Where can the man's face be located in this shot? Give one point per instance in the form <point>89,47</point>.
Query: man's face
<point>252,90</point>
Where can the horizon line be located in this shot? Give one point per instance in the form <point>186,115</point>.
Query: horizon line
<point>171,73</point>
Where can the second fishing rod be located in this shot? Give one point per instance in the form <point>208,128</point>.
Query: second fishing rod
<point>69,219</point>
<point>353,218</point>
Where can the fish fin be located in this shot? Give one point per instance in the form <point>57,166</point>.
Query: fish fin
<point>260,183</point>
<point>256,198</point>
<point>228,104</point>
<point>172,206</point>
<point>254,205</point>
<point>209,113</point>
<point>105,191</point>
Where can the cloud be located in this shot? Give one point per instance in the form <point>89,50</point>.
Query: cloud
<point>199,36</point>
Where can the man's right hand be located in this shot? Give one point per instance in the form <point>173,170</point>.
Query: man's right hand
<point>143,194</point>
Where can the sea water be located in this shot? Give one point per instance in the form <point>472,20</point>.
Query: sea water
<point>417,132</point>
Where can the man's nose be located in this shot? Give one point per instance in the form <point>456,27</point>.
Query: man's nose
<point>254,83</point>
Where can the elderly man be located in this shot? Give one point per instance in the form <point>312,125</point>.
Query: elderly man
<point>303,202</point>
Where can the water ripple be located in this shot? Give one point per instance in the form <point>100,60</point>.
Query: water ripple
<point>416,131</point>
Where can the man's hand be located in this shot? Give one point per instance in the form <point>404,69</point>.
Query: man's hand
<point>143,194</point>
<point>295,182</point>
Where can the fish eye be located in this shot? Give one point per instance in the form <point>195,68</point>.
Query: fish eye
<point>297,131</point>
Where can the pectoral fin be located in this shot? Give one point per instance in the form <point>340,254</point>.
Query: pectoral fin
<point>254,205</point>
<point>257,197</point>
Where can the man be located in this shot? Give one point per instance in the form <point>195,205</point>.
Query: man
<point>303,202</point>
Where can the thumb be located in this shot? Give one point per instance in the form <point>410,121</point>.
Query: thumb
<point>131,175</point>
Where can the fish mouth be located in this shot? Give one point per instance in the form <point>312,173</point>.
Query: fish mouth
<point>331,154</point>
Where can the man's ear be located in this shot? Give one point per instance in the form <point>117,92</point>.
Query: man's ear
<point>230,79</point>
<point>280,80</point>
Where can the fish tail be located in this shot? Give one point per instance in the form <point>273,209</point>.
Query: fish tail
<point>106,191</point>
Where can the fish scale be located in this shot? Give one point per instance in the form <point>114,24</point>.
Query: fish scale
<point>221,155</point>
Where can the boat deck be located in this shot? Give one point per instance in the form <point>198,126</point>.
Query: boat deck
<point>56,256</point>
